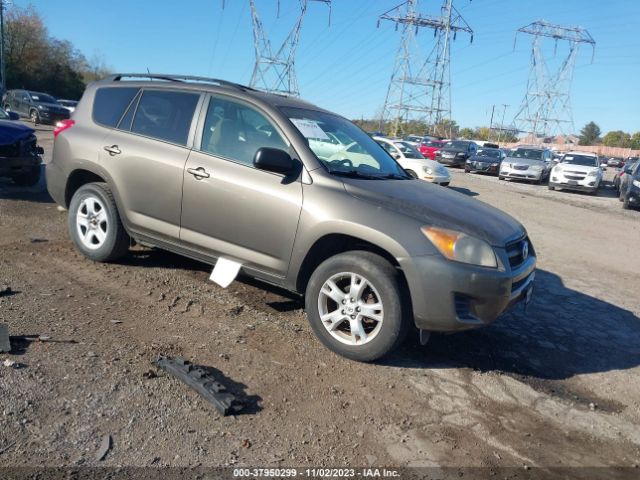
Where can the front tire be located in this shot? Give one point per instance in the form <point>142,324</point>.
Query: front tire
<point>625,203</point>
<point>412,173</point>
<point>94,224</point>
<point>354,305</point>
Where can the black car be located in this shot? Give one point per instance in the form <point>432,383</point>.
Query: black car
<point>456,152</point>
<point>37,107</point>
<point>19,154</point>
<point>630,192</point>
<point>486,160</point>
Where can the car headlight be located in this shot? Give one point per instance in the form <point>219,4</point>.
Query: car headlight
<point>636,183</point>
<point>437,152</point>
<point>537,168</point>
<point>557,169</point>
<point>461,247</point>
<point>427,170</point>
<point>592,173</point>
<point>494,164</point>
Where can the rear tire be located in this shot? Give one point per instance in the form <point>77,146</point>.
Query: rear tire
<point>551,187</point>
<point>28,179</point>
<point>360,278</point>
<point>500,177</point>
<point>625,203</point>
<point>94,224</point>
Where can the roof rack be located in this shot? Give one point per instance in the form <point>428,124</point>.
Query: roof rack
<point>117,77</point>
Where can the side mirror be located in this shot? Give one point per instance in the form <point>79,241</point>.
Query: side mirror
<point>273,160</point>
<point>13,116</point>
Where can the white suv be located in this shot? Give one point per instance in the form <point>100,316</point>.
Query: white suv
<point>577,171</point>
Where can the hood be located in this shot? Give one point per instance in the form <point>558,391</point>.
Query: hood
<point>453,150</point>
<point>12,131</point>
<point>477,158</point>
<point>523,161</point>
<point>438,206</point>
<point>577,168</point>
<point>52,106</point>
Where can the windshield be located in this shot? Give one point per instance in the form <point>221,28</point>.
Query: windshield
<point>408,150</point>
<point>456,144</point>
<point>342,147</point>
<point>528,153</point>
<point>43,98</point>
<point>585,160</point>
<point>488,152</point>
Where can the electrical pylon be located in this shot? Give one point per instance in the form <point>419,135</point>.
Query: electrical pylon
<point>274,70</point>
<point>546,108</point>
<point>420,89</point>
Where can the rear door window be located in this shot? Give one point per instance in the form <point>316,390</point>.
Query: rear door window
<point>165,115</point>
<point>110,103</point>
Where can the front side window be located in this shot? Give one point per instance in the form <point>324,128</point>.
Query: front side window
<point>42,98</point>
<point>358,155</point>
<point>236,131</point>
<point>165,115</point>
<point>110,103</point>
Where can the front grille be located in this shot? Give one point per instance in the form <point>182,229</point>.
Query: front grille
<point>520,167</point>
<point>574,177</point>
<point>515,251</point>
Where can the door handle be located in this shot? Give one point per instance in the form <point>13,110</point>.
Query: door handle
<point>113,150</point>
<point>199,173</point>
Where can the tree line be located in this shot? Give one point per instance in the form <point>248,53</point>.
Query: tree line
<point>34,60</point>
<point>591,135</point>
<point>444,129</point>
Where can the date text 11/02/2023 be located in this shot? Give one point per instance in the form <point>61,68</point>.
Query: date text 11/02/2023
<point>315,472</point>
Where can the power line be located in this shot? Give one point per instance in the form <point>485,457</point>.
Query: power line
<point>421,89</point>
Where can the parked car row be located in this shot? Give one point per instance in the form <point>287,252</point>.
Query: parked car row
<point>38,107</point>
<point>20,156</point>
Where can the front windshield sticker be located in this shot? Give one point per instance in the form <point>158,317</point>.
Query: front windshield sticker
<point>310,129</point>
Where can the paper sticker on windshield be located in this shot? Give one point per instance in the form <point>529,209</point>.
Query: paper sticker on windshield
<point>310,129</point>
<point>568,158</point>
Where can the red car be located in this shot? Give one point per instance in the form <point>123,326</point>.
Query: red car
<point>428,148</point>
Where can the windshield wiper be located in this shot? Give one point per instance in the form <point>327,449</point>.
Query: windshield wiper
<point>396,176</point>
<point>355,174</point>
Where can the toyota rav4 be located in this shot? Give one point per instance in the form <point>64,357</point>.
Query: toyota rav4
<point>232,177</point>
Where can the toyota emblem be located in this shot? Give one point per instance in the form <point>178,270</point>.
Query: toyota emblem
<point>525,250</point>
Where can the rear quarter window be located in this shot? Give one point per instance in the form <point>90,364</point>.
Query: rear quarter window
<point>110,103</point>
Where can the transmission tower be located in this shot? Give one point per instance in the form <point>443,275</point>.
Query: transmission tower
<point>420,89</point>
<point>546,108</point>
<point>274,70</point>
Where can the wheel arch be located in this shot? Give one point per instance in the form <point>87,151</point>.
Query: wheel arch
<point>335,243</point>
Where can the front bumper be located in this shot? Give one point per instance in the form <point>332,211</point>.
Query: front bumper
<point>449,296</point>
<point>452,161</point>
<point>482,167</point>
<point>582,183</point>
<point>517,174</point>
<point>10,166</point>
<point>439,179</point>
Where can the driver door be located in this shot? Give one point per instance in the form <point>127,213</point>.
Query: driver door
<point>229,207</point>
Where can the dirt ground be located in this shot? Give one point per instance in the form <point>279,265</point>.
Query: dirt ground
<point>555,386</point>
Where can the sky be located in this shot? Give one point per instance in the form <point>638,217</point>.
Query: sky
<point>345,65</point>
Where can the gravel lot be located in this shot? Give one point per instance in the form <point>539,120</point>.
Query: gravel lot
<point>557,386</point>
